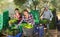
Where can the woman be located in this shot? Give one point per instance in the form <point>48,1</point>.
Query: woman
<point>18,15</point>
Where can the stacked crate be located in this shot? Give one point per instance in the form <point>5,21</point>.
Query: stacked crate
<point>4,17</point>
<point>1,21</point>
<point>36,15</point>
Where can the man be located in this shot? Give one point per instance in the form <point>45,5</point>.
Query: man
<point>47,14</point>
<point>29,19</point>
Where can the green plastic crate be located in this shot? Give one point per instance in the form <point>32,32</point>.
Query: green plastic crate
<point>5,18</point>
<point>1,26</point>
<point>36,15</point>
<point>1,21</point>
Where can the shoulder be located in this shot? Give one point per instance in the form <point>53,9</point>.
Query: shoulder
<point>22,16</point>
<point>30,15</point>
<point>49,10</point>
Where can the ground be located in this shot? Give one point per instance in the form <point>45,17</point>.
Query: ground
<point>53,33</point>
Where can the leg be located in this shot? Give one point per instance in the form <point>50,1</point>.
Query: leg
<point>47,29</point>
<point>48,26</point>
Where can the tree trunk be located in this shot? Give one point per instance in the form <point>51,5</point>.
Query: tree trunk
<point>35,7</point>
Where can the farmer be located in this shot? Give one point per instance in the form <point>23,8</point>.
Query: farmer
<point>18,15</point>
<point>29,19</point>
<point>47,14</point>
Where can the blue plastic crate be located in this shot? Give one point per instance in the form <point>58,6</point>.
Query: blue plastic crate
<point>41,31</point>
<point>18,35</point>
<point>36,28</point>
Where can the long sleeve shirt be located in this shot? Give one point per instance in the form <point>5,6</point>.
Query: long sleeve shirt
<point>29,20</point>
<point>47,15</point>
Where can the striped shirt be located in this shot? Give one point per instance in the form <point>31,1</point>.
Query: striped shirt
<point>29,20</point>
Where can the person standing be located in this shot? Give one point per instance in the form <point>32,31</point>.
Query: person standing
<point>47,14</point>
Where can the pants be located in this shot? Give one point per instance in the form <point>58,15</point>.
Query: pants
<point>47,26</point>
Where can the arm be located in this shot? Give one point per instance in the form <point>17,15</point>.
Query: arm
<point>20,22</point>
<point>51,16</point>
<point>32,20</point>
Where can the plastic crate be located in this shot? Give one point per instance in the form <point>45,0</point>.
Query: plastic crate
<point>21,29</point>
<point>1,26</point>
<point>5,18</point>
<point>18,35</point>
<point>1,21</point>
<point>28,32</point>
<point>41,31</point>
<point>36,15</point>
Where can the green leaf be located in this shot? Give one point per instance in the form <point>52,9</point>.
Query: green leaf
<point>19,2</point>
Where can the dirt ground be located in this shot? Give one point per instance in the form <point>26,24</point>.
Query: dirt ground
<point>53,33</point>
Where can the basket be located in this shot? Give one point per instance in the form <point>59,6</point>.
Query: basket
<point>27,32</point>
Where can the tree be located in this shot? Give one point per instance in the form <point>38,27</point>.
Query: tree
<point>35,3</point>
<point>19,2</point>
<point>54,3</point>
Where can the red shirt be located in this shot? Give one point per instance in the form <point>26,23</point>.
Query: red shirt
<point>18,16</point>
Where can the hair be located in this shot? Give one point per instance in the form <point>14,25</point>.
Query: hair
<point>16,9</point>
<point>25,10</point>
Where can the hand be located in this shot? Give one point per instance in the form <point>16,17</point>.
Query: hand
<point>29,23</point>
<point>50,19</point>
<point>41,17</point>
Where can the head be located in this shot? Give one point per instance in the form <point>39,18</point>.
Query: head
<point>46,8</point>
<point>16,10</point>
<point>25,12</point>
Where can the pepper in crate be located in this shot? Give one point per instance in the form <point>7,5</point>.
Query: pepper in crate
<point>28,29</point>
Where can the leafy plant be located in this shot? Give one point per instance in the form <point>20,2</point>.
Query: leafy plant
<point>19,2</point>
<point>35,3</point>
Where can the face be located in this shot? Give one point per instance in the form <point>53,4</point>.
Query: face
<point>25,13</point>
<point>16,11</point>
<point>46,8</point>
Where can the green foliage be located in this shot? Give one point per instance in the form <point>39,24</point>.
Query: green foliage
<point>19,2</point>
<point>53,23</point>
<point>35,3</point>
<point>54,3</point>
